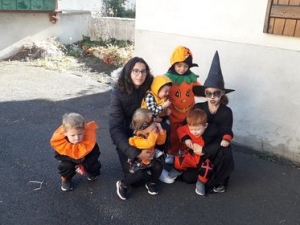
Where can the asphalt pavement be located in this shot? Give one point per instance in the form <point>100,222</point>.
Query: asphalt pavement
<point>32,102</point>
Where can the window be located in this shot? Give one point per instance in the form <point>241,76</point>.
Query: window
<point>27,5</point>
<point>283,18</point>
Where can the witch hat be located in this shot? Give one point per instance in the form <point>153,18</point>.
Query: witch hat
<point>214,78</point>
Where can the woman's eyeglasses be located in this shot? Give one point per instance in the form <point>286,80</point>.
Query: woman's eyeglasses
<point>216,94</point>
<point>136,72</point>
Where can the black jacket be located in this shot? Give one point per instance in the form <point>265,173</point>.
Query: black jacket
<point>121,110</point>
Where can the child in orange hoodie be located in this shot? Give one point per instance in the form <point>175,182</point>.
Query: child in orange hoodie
<point>76,149</point>
<point>147,134</point>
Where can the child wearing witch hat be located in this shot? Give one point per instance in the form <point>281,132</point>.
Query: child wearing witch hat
<point>218,134</point>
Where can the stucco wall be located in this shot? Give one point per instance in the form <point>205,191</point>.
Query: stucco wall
<point>112,27</point>
<point>262,68</point>
<point>21,27</point>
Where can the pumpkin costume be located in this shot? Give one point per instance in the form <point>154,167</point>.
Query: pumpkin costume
<point>84,154</point>
<point>181,94</point>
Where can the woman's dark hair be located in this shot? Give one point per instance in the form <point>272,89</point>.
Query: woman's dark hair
<point>125,83</point>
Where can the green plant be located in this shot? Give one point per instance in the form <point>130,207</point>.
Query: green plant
<point>112,51</point>
<point>116,8</point>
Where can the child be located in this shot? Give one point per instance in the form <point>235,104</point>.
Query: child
<point>191,135</point>
<point>181,95</point>
<point>220,120</point>
<point>146,135</point>
<point>76,149</point>
<point>156,99</point>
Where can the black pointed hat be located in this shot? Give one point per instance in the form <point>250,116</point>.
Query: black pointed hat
<point>214,78</point>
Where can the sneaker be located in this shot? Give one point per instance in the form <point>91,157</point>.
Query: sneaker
<point>92,177</point>
<point>151,187</point>
<point>169,159</point>
<point>66,185</point>
<point>173,174</point>
<point>121,190</point>
<point>219,189</point>
<point>164,177</point>
<point>200,188</point>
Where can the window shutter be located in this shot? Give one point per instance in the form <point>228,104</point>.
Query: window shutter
<point>283,18</point>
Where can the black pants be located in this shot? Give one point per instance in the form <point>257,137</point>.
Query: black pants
<point>166,126</point>
<point>140,176</point>
<point>91,163</point>
<point>223,166</point>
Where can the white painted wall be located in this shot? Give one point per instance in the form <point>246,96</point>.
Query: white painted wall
<point>21,27</point>
<point>79,5</point>
<point>262,68</point>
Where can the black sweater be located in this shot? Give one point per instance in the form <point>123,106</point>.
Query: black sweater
<point>121,110</point>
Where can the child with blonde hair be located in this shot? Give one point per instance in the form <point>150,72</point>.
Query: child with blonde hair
<point>76,148</point>
<point>147,134</point>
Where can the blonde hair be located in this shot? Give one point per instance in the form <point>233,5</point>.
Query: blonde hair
<point>73,121</point>
<point>140,118</point>
<point>196,117</point>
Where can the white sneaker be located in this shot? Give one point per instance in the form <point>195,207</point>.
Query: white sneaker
<point>164,177</point>
<point>173,174</point>
<point>169,159</point>
<point>200,188</point>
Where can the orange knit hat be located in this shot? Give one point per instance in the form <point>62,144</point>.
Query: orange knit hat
<point>182,54</point>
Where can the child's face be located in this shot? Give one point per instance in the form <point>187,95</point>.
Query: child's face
<point>197,130</point>
<point>213,95</point>
<point>75,135</point>
<point>181,68</point>
<point>164,92</point>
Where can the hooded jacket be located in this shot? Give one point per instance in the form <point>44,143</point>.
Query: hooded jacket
<point>151,100</point>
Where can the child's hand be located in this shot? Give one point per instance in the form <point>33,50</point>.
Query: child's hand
<point>158,119</point>
<point>189,143</point>
<point>169,112</point>
<point>198,149</point>
<point>152,127</point>
<point>225,143</point>
<point>80,169</point>
<point>146,154</point>
<point>159,128</point>
<point>166,104</point>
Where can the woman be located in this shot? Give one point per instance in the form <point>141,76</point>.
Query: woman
<point>135,79</point>
<point>218,135</point>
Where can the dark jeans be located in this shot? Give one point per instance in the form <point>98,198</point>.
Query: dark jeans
<point>140,176</point>
<point>223,166</point>
<point>91,163</point>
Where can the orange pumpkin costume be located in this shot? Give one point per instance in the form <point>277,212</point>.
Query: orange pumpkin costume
<point>181,94</point>
<point>75,151</point>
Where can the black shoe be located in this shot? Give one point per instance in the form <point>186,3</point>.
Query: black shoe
<point>66,185</point>
<point>219,189</point>
<point>92,177</point>
<point>121,190</point>
<point>151,187</point>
